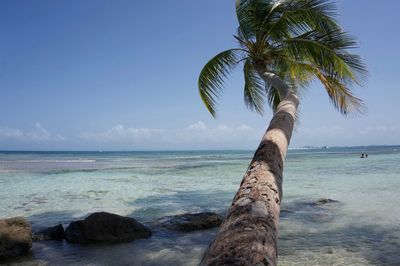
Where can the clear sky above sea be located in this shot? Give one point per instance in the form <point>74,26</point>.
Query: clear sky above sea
<point>122,75</point>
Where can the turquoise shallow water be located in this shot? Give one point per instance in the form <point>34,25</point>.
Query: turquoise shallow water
<point>58,187</point>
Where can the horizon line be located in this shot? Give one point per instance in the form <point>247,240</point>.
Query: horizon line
<point>188,150</point>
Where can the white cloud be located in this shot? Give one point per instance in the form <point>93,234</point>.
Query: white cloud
<point>222,134</point>
<point>120,133</point>
<point>245,128</point>
<point>10,133</point>
<point>346,135</point>
<point>198,126</point>
<point>38,134</point>
<point>196,135</point>
<point>201,136</point>
<point>326,131</point>
<point>380,129</point>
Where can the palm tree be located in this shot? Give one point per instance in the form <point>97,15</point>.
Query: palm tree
<point>283,46</point>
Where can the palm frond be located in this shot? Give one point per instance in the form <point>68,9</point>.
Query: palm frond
<point>328,52</point>
<point>285,18</point>
<point>251,15</point>
<point>273,97</point>
<point>318,15</point>
<point>295,41</point>
<point>341,96</point>
<point>211,78</point>
<point>254,92</point>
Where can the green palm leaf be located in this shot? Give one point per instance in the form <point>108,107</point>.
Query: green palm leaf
<point>275,19</point>
<point>295,40</point>
<point>303,15</point>
<point>254,91</point>
<point>212,76</point>
<point>341,97</point>
<point>339,94</point>
<point>328,52</point>
<point>273,97</point>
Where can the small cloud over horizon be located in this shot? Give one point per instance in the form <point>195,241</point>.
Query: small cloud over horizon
<point>37,134</point>
<point>197,135</point>
<point>338,135</point>
<point>121,133</point>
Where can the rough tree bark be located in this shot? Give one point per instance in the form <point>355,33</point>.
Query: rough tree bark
<point>248,234</point>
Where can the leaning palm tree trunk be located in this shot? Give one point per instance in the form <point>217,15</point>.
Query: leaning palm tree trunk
<point>248,235</point>
<point>281,42</point>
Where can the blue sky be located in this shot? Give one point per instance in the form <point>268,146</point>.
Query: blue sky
<point>122,75</point>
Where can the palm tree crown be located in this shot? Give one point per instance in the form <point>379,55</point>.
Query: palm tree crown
<point>296,40</point>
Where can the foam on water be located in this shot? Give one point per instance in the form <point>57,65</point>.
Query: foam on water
<point>362,229</point>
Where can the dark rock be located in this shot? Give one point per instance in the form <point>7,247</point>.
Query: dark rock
<point>103,227</point>
<point>74,233</point>
<point>15,237</point>
<point>51,233</point>
<point>325,201</point>
<point>191,221</point>
<point>285,212</point>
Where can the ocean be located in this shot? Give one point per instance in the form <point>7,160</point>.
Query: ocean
<point>362,228</point>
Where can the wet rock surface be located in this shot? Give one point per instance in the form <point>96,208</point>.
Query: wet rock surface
<point>318,211</point>
<point>103,227</point>
<point>325,201</point>
<point>50,233</point>
<point>191,221</point>
<point>15,237</point>
<point>300,205</point>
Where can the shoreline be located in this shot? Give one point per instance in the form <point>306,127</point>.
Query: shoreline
<point>304,147</point>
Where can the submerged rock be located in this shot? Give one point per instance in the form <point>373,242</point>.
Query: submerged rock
<point>191,221</point>
<point>320,209</point>
<point>50,233</point>
<point>103,227</point>
<point>284,211</point>
<point>15,237</point>
<point>325,201</point>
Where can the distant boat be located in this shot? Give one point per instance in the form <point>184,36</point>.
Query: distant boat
<point>325,147</point>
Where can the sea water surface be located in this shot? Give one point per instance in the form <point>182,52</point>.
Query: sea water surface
<point>363,228</point>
